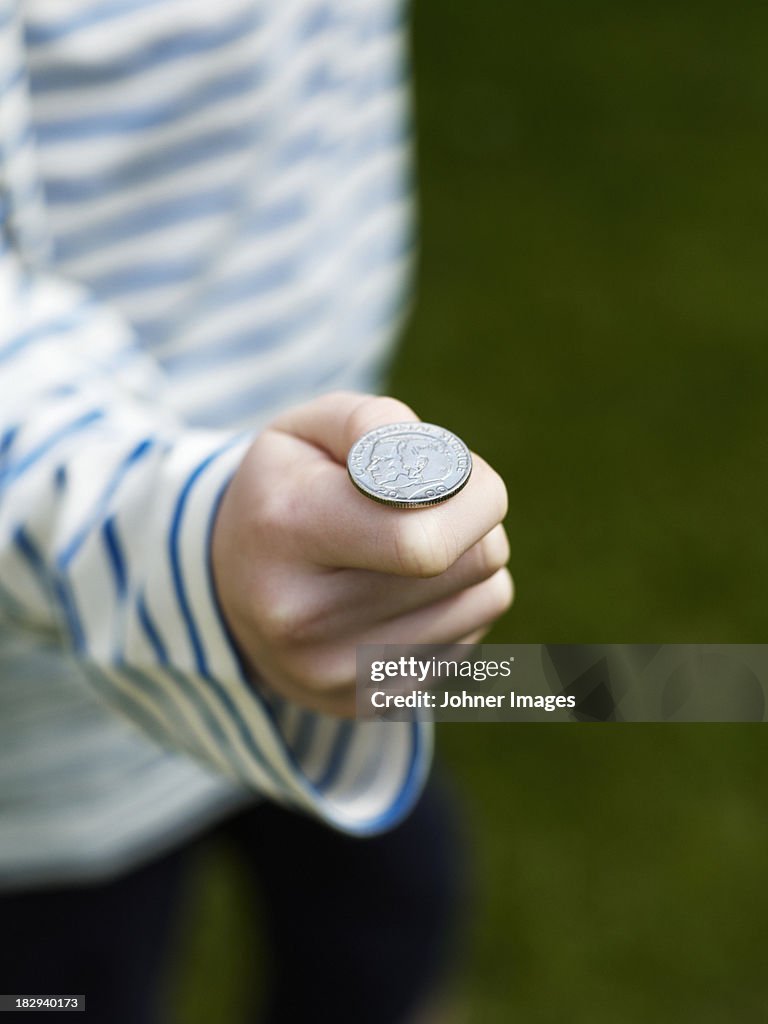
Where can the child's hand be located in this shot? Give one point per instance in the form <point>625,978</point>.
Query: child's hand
<point>307,568</point>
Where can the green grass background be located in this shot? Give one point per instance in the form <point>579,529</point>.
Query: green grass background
<point>592,317</point>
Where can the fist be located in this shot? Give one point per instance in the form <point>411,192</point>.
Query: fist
<point>306,568</point>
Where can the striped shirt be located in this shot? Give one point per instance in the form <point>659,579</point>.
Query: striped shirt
<point>205,218</point>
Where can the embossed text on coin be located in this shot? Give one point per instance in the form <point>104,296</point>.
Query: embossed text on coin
<point>409,465</point>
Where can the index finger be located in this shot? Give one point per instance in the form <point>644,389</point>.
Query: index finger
<point>345,530</point>
<point>335,421</point>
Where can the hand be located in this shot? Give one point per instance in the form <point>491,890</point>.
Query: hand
<point>306,568</point>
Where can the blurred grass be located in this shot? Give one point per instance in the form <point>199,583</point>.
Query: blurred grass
<point>592,317</point>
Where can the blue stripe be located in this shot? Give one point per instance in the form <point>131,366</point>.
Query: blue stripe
<point>408,791</point>
<point>118,361</point>
<point>277,214</point>
<point>154,164</point>
<point>225,699</point>
<point>317,21</point>
<point>52,584</point>
<point>258,338</point>
<point>385,249</point>
<point>151,631</point>
<point>153,331</point>
<point>252,282</point>
<point>148,274</point>
<point>7,442</point>
<point>382,20</point>
<point>386,187</point>
<point>161,52</point>
<point>173,543</point>
<point>215,728</point>
<point>184,685</point>
<point>102,503</point>
<point>181,683</point>
<point>152,689</point>
<point>158,274</point>
<point>405,798</point>
<point>37,34</point>
<point>130,707</point>
<point>389,26</point>
<point>244,287</point>
<point>390,133</point>
<point>382,79</point>
<point>73,318</point>
<point>117,564</point>
<point>298,384</point>
<point>145,277</point>
<point>335,762</point>
<point>181,210</point>
<point>17,469</point>
<point>64,391</point>
<point>11,80</point>
<point>270,394</point>
<point>322,79</point>
<point>303,739</point>
<point>115,557</point>
<point>311,142</point>
<point>298,148</point>
<point>138,119</point>
<point>149,218</point>
<point>410,787</point>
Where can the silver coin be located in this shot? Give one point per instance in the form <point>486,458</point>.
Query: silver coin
<point>409,465</point>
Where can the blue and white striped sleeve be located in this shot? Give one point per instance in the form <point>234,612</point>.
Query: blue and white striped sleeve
<point>106,508</point>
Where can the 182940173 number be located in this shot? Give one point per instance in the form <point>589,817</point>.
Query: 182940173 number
<point>50,1003</point>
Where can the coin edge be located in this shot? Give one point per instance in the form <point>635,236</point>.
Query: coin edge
<point>413,504</point>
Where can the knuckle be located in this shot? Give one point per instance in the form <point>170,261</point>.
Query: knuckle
<point>271,511</point>
<point>494,552</point>
<point>503,592</point>
<point>494,490</point>
<point>500,496</point>
<point>283,619</point>
<point>309,625</point>
<point>420,552</point>
<point>271,499</point>
<point>277,621</point>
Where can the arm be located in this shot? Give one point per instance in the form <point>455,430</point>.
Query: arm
<point>107,505</point>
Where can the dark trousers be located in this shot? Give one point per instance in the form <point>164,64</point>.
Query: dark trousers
<point>358,930</point>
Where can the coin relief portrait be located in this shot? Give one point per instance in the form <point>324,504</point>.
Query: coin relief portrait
<point>409,464</point>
